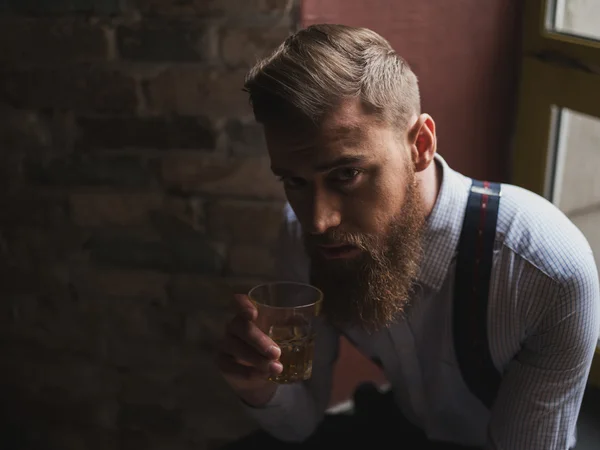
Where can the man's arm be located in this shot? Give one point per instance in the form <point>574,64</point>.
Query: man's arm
<point>296,409</point>
<point>540,397</point>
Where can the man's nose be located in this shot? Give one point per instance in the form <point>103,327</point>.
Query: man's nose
<point>325,213</point>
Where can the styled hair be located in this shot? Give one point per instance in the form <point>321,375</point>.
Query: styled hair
<point>316,68</point>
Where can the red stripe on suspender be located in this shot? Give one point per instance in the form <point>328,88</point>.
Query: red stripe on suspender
<point>479,251</point>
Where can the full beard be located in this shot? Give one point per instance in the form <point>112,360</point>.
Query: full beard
<point>373,289</point>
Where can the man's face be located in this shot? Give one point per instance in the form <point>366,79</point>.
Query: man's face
<point>352,185</point>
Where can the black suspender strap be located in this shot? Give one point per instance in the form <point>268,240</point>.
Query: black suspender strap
<point>471,290</point>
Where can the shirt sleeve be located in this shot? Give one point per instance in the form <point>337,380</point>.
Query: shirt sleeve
<point>296,409</point>
<point>541,392</point>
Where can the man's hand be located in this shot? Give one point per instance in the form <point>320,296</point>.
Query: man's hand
<point>247,357</point>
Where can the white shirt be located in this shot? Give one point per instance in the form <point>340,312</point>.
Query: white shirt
<point>543,325</point>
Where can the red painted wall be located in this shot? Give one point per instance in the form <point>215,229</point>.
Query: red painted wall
<point>465,53</point>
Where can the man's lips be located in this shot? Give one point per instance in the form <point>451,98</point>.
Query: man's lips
<point>338,251</point>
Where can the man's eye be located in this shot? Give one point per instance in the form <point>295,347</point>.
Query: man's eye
<point>292,182</point>
<point>345,175</point>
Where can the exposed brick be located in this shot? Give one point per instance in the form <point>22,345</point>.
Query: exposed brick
<point>17,288</point>
<point>35,418</point>
<point>186,290</point>
<point>21,295</point>
<point>35,247</point>
<point>72,437</point>
<point>83,379</point>
<point>150,386</point>
<point>192,251</point>
<point>251,260</point>
<point>194,254</point>
<point>33,208</point>
<point>189,210</point>
<point>106,209</point>
<point>204,321</point>
<point>204,328</point>
<point>51,320</point>
<point>154,40</point>
<point>245,221</point>
<point>10,171</point>
<point>134,355</point>
<point>148,440</point>
<point>21,129</point>
<point>55,405</point>
<point>150,417</point>
<point>34,41</point>
<point>244,177</point>
<point>145,295</point>
<point>35,132</point>
<point>122,283</point>
<point>206,304</point>
<point>243,47</point>
<point>212,388</point>
<point>41,7</point>
<point>81,88</point>
<point>245,137</point>
<point>191,90</point>
<point>127,252</point>
<point>243,284</point>
<point>90,170</point>
<point>147,317</point>
<point>146,132</point>
<point>134,439</point>
<point>133,311</point>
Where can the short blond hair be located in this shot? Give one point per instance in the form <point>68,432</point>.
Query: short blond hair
<point>316,68</point>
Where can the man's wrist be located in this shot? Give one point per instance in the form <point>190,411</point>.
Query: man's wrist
<point>259,398</point>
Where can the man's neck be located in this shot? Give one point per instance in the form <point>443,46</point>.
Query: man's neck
<point>430,182</point>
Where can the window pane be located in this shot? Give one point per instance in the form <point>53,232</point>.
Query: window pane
<point>575,185</point>
<point>576,17</point>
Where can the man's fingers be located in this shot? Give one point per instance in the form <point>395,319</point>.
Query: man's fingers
<point>244,306</point>
<point>244,353</point>
<point>251,334</point>
<point>234,369</point>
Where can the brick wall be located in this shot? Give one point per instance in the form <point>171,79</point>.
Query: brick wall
<point>135,196</point>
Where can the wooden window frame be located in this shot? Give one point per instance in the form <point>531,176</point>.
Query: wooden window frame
<point>557,71</point>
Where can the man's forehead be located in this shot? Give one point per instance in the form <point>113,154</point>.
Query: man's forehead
<point>292,139</point>
<point>347,121</point>
<point>349,115</point>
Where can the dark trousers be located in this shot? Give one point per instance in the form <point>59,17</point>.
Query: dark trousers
<point>375,421</point>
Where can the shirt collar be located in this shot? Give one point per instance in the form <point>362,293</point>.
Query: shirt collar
<point>443,227</point>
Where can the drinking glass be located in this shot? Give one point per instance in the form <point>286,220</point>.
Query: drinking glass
<point>287,312</point>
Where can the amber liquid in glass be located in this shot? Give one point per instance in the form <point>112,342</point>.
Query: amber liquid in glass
<point>297,344</point>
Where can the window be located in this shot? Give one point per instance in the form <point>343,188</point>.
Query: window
<point>557,147</point>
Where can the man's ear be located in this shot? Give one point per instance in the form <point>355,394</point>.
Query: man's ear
<point>422,141</point>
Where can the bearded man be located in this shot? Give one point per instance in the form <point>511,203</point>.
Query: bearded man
<point>374,219</point>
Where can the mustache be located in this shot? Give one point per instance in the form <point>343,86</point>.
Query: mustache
<point>338,237</point>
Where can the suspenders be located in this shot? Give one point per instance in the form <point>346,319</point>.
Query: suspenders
<point>471,290</point>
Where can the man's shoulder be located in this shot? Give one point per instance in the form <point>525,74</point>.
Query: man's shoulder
<point>537,231</point>
<point>545,268</point>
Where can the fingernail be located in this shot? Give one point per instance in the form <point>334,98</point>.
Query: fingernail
<point>276,367</point>
<point>274,352</point>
